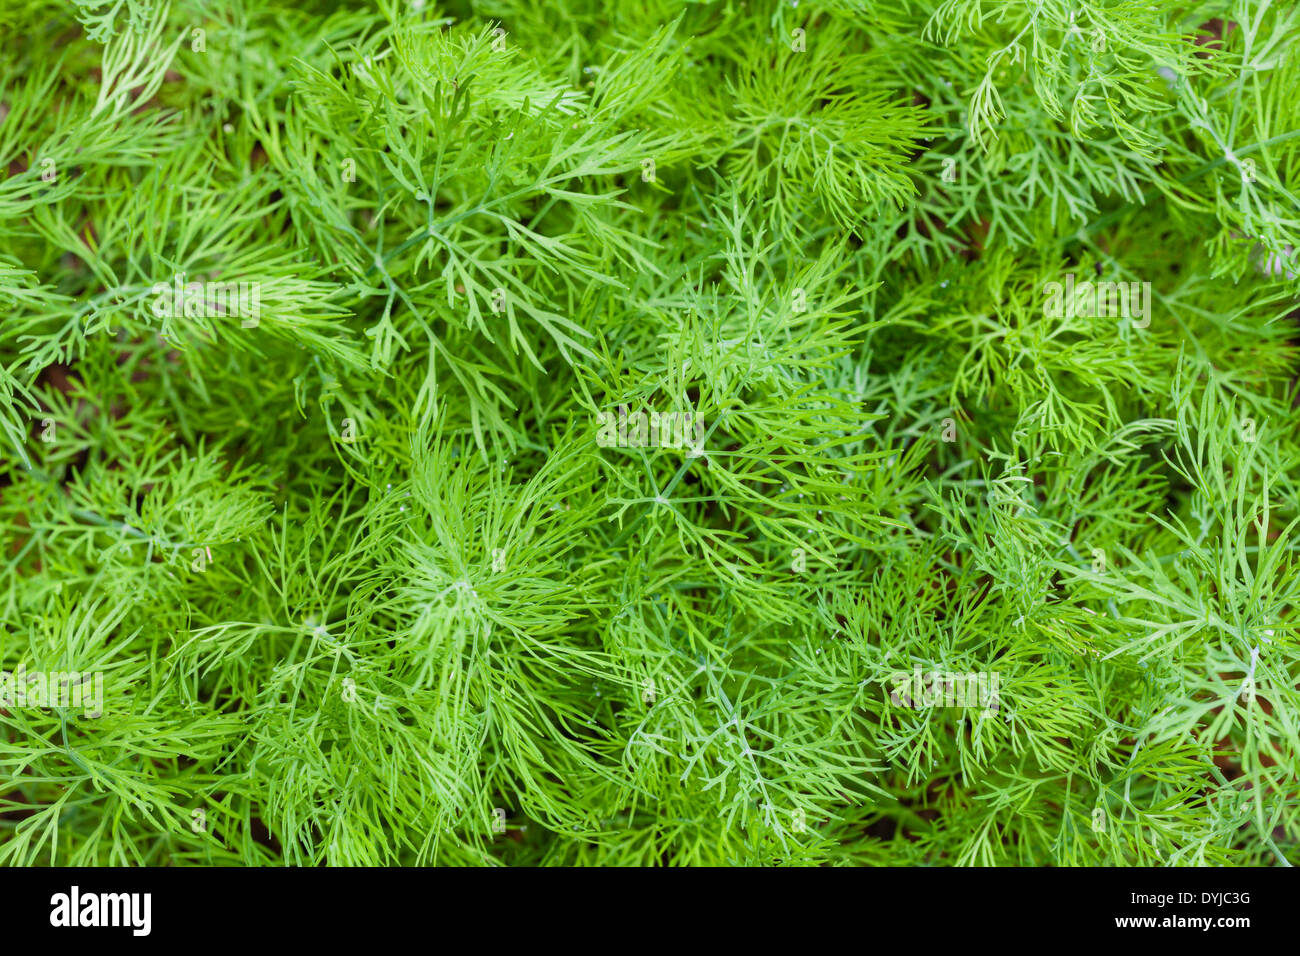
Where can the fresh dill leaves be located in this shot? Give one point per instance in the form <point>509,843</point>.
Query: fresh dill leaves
<point>643,433</point>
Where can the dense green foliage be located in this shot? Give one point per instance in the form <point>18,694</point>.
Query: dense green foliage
<point>364,575</point>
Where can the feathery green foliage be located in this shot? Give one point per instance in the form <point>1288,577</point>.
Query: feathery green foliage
<point>372,566</point>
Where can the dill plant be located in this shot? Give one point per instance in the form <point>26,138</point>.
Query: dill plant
<point>365,589</point>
